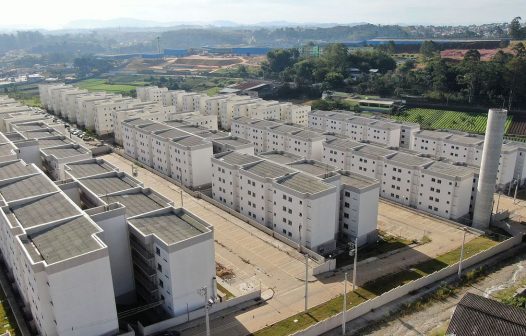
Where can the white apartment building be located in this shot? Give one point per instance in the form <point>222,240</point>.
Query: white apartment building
<point>253,130</point>
<point>54,158</point>
<point>357,128</point>
<point>338,152</point>
<point>227,107</point>
<point>444,189</point>
<point>151,93</point>
<point>190,159</point>
<point>467,149</point>
<point>401,179</point>
<point>232,143</point>
<point>52,249</point>
<point>358,211</point>
<point>225,176</point>
<point>181,246</point>
<point>295,114</point>
<point>157,252</point>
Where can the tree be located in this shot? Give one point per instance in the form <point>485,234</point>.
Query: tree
<point>333,80</point>
<point>336,57</point>
<point>519,49</point>
<point>280,59</point>
<point>515,29</point>
<point>428,49</point>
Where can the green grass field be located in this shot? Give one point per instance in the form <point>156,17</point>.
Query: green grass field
<point>7,320</point>
<point>442,119</point>
<point>373,288</point>
<point>104,85</point>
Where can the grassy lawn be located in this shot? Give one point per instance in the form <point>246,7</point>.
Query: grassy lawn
<point>507,295</point>
<point>386,243</point>
<point>372,289</point>
<point>7,320</point>
<point>442,119</point>
<point>104,85</point>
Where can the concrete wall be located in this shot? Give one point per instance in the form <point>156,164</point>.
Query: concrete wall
<point>195,314</point>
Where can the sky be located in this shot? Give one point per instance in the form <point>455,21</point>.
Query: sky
<point>56,14</point>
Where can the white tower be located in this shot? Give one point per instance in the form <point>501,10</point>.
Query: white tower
<point>489,167</point>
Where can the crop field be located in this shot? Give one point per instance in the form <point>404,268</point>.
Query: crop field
<point>442,119</point>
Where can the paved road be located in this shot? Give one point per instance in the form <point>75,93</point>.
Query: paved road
<point>258,259</point>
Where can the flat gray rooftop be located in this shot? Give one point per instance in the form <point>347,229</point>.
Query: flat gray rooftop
<point>137,203</point>
<point>137,122</point>
<point>41,134</point>
<point>43,210</point>
<point>357,181</point>
<point>304,183</point>
<point>312,167</point>
<point>433,134</point>
<point>342,144</point>
<point>281,157</point>
<point>6,149</point>
<point>308,135</point>
<point>45,143</point>
<point>14,169</point>
<point>360,120</point>
<point>26,187</point>
<point>243,120</point>
<point>233,141</point>
<point>108,184</point>
<point>264,123</point>
<point>191,141</point>
<point>321,113</point>
<point>61,153</point>
<point>68,240</point>
<point>449,169</point>
<point>239,159</point>
<point>85,169</point>
<point>154,127</point>
<point>171,134</point>
<point>212,134</point>
<point>169,227</point>
<point>385,125</point>
<point>14,136</point>
<point>340,116</point>
<point>465,140</point>
<point>29,127</point>
<point>408,159</point>
<point>175,123</point>
<point>268,169</point>
<point>193,129</point>
<point>284,129</point>
<point>374,150</point>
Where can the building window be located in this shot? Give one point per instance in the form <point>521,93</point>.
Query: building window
<point>159,267</point>
<point>161,283</point>
<point>158,251</point>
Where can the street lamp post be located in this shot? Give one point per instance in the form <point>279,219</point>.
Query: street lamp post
<point>355,264</point>
<point>461,254</point>
<point>344,308</point>
<point>306,281</point>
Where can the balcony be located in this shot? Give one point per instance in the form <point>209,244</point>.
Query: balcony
<point>146,269</point>
<point>141,251</point>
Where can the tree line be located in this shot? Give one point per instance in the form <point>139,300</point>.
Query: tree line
<point>501,81</point>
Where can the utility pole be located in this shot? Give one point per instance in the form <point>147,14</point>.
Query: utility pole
<point>203,291</point>
<point>355,264</point>
<point>306,281</point>
<point>461,254</point>
<point>344,309</point>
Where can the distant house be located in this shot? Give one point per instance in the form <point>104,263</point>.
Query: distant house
<point>249,88</point>
<point>478,316</point>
